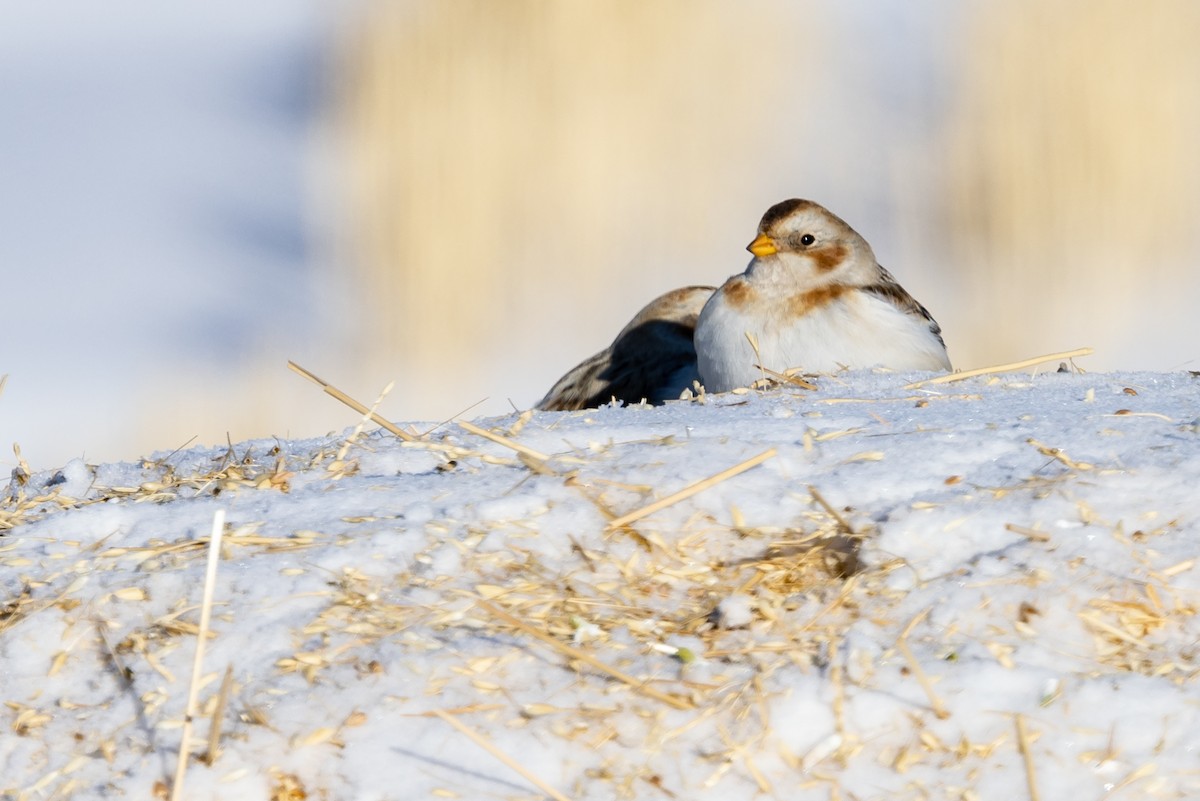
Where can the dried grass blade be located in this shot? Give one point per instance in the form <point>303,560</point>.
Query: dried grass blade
<point>583,656</point>
<point>503,440</point>
<point>452,417</point>
<point>125,674</point>
<point>935,702</point>
<point>210,580</point>
<point>455,710</point>
<point>352,403</point>
<point>1030,533</point>
<point>218,716</point>
<point>491,748</point>
<point>834,513</point>
<point>1058,455</point>
<point>785,378</point>
<point>1027,757</point>
<point>691,490</point>
<point>1001,368</point>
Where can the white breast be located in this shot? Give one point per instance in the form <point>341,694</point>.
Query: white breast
<point>856,330</point>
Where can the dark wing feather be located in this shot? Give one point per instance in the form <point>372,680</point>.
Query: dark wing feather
<point>652,359</point>
<point>889,289</point>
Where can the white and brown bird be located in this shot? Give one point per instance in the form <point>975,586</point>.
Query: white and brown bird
<point>813,298</point>
<point>652,359</point>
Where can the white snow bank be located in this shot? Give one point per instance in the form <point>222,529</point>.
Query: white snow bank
<point>1025,553</point>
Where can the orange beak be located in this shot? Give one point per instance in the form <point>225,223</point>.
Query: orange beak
<point>762,246</point>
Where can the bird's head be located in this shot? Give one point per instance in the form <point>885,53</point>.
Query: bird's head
<point>802,242</point>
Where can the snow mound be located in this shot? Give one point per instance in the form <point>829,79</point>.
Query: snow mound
<point>938,592</point>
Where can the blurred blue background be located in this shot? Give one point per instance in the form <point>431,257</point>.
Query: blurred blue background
<point>469,197</point>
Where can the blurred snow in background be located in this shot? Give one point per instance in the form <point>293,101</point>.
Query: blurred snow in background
<point>468,198</point>
<point>158,249</point>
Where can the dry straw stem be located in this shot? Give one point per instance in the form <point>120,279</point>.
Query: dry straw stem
<point>841,521</point>
<point>935,701</point>
<point>502,440</point>
<point>218,716</point>
<point>770,375</point>
<point>1001,368</point>
<point>583,656</point>
<point>454,417</point>
<point>1057,455</point>
<point>210,580</point>
<point>1031,533</point>
<point>352,403</point>
<point>123,672</point>
<point>456,710</point>
<point>788,378</point>
<point>1027,757</point>
<point>358,429</point>
<point>691,490</point>
<point>488,746</point>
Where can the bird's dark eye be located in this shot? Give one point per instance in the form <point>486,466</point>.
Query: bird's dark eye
<point>807,240</point>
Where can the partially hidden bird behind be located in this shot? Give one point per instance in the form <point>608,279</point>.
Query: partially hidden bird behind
<point>813,298</point>
<point>652,359</point>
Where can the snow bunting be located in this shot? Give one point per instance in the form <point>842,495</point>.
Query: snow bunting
<point>813,298</point>
<point>652,359</point>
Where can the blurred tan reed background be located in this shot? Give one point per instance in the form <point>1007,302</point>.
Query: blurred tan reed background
<point>508,182</point>
<point>1072,182</point>
<point>525,175</point>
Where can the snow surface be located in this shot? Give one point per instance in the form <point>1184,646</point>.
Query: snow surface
<point>999,555</point>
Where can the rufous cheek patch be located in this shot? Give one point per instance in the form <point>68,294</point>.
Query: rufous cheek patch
<point>828,258</point>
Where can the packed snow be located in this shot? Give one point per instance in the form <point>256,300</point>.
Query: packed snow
<point>971,590</point>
